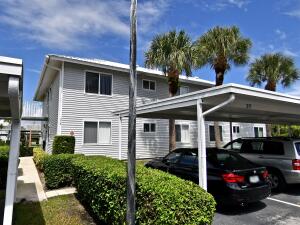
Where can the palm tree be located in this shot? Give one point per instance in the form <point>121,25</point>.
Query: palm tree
<point>220,48</point>
<point>172,53</point>
<point>273,69</point>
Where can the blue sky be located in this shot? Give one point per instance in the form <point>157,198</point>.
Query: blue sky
<point>100,29</point>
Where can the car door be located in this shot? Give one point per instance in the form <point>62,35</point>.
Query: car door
<point>184,168</point>
<point>170,161</point>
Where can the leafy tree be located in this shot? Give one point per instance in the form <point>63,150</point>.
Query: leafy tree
<point>272,69</point>
<point>171,52</point>
<point>221,48</point>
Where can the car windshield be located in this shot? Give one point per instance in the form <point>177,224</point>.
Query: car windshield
<point>228,160</point>
<point>297,145</point>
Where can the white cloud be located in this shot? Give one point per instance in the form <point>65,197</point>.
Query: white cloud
<point>67,23</point>
<point>289,52</point>
<point>219,5</point>
<point>281,34</point>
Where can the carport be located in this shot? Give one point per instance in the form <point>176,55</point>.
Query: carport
<point>11,92</point>
<point>229,103</point>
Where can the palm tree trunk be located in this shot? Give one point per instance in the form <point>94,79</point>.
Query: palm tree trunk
<point>271,86</point>
<point>173,78</point>
<point>219,81</point>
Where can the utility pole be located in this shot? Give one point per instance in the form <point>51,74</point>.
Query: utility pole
<point>131,155</point>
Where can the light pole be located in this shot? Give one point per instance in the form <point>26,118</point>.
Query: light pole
<point>131,155</point>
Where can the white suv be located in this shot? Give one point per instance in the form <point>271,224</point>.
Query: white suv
<point>280,155</point>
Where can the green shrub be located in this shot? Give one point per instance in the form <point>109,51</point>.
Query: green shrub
<point>4,152</point>
<point>161,198</point>
<point>39,156</point>
<point>26,151</point>
<point>58,170</point>
<point>63,145</point>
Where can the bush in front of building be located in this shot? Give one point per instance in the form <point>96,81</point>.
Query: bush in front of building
<point>63,144</point>
<point>26,151</point>
<point>39,156</point>
<point>161,198</point>
<point>58,170</point>
<point>4,153</point>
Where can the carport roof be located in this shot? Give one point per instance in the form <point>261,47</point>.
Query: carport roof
<point>250,105</point>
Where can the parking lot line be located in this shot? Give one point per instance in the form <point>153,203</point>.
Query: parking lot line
<point>288,203</point>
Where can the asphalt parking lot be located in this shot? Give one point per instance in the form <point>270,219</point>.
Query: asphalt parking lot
<point>279,209</point>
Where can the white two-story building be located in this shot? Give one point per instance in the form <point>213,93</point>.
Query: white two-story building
<point>80,97</point>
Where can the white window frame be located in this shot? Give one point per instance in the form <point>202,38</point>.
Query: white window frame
<point>189,133</point>
<point>149,85</point>
<point>259,127</point>
<point>221,134</point>
<point>187,87</point>
<point>99,74</point>
<point>149,132</point>
<point>97,143</point>
<point>234,127</point>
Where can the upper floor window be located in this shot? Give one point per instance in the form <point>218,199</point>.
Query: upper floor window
<point>183,90</point>
<point>236,129</point>
<point>149,85</point>
<point>212,133</point>
<point>98,83</point>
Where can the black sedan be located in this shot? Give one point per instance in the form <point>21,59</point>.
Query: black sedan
<point>231,179</point>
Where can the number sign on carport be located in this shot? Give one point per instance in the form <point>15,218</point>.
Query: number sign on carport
<point>231,102</point>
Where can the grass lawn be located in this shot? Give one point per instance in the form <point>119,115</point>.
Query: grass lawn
<point>61,210</point>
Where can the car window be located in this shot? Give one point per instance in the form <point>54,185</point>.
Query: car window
<point>228,160</point>
<point>188,158</point>
<point>297,145</point>
<point>173,157</point>
<point>235,145</point>
<point>273,148</point>
<point>252,147</point>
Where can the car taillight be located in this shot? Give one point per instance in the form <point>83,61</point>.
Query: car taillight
<point>296,164</point>
<point>265,174</point>
<point>233,178</point>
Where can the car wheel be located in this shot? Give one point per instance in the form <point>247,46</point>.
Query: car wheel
<point>277,181</point>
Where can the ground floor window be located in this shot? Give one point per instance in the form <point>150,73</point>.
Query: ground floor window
<point>149,127</point>
<point>258,131</point>
<point>97,132</point>
<point>236,129</point>
<point>212,133</point>
<point>182,133</point>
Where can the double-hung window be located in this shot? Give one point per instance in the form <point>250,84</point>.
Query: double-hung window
<point>149,85</point>
<point>258,131</point>
<point>212,133</point>
<point>149,127</point>
<point>183,90</point>
<point>97,132</point>
<point>182,133</point>
<point>97,83</point>
<point>236,129</point>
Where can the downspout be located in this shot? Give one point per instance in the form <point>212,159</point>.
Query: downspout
<point>202,137</point>
<point>15,107</point>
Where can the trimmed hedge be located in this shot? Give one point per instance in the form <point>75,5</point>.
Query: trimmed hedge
<point>161,198</point>
<point>39,156</point>
<point>58,170</point>
<point>4,153</point>
<point>26,151</point>
<point>63,145</point>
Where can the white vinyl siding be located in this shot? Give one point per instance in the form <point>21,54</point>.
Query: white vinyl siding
<point>79,106</point>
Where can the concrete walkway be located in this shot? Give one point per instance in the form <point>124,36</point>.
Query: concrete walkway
<point>29,185</point>
<point>62,191</point>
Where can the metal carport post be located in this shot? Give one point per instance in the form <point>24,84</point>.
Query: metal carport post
<point>202,139</point>
<point>12,70</point>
